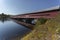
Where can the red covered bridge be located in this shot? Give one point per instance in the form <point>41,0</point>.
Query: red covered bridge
<point>42,14</point>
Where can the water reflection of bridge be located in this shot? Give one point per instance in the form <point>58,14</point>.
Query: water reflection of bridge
<point>30,26</point>
<point>29,17</point>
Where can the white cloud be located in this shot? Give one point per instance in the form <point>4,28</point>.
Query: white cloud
<point>2,6</point>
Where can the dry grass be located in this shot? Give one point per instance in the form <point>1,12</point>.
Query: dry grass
<point>48,31</point>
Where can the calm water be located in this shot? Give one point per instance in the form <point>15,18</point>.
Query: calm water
<point>9,29</point>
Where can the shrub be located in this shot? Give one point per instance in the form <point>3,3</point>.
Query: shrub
<point>42,20</point>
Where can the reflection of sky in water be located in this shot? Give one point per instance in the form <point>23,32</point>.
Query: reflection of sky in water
<point>10,29</point>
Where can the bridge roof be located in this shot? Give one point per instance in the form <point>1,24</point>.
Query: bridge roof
<point>43,11</point>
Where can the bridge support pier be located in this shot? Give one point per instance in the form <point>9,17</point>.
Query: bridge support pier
<point>27,20</point>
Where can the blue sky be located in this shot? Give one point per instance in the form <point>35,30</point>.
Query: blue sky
<point>25,6</point>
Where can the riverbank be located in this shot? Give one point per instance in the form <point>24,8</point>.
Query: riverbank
<point>48,31</point>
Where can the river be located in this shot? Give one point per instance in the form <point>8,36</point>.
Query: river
<point>10,29</point>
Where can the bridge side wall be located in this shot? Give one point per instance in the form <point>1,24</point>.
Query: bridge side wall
<point>39,15</point>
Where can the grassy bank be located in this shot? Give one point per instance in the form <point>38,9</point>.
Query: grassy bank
<point>48,31</point>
